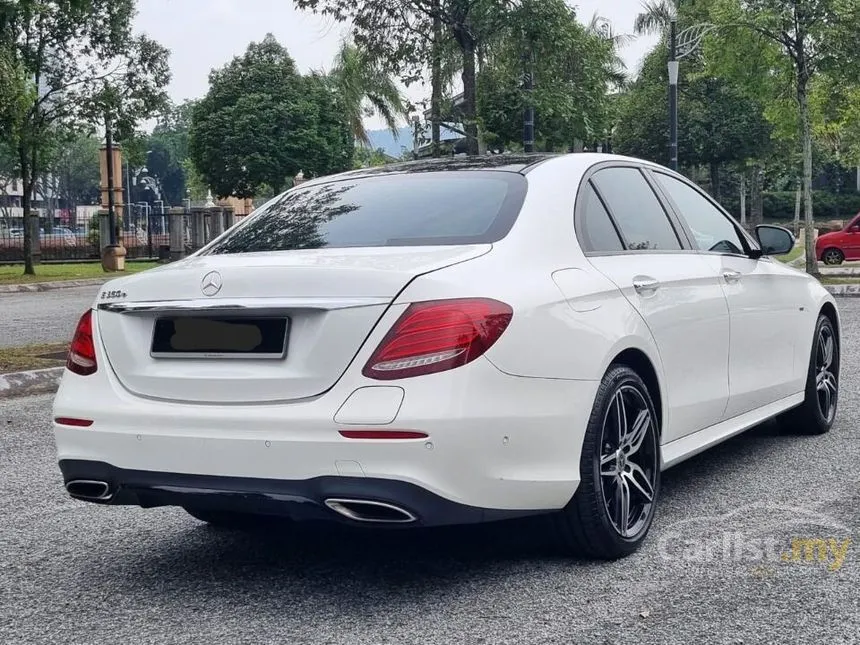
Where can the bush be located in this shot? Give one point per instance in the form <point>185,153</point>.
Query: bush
<point>780,205</point>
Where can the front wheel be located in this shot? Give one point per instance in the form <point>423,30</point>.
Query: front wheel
<point>611,512</point>
<point>833,256</point>
<point>818,411</point>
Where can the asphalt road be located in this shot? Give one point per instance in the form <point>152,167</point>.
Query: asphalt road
<point>76,573</point>
<point>42,317</point>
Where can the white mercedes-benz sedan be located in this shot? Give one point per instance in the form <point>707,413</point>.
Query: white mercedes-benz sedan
<point>448,342</point>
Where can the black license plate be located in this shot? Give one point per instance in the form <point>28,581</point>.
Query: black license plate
<point>220,337</point>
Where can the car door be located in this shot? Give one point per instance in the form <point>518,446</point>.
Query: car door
<point>765,363</point>
<point>673,289</point>
<point>850,240</point>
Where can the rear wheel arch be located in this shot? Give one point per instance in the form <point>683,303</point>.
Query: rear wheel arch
<point>639,362</point>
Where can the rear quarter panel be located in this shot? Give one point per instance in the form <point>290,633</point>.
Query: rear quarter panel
<point>570,321</point>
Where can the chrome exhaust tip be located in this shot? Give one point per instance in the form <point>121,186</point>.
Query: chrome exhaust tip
<point>90,490</point>
<point>361,510</point>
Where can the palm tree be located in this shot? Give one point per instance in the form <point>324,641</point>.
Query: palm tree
<point>616,69</point>
<point>365,90</point>
<point>655,17</point>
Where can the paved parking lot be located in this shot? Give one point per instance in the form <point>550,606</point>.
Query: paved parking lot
<point>44,317</point>
<point>719,566</point>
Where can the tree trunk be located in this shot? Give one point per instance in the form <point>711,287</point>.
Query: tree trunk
<point>436,82</point>
<point>27,175</point>
<point>806,130</point>
<point>715,180</point>
<point>757,202</point>
<point>798,201</point>
<point>743,200</point>
<point>470,93</point>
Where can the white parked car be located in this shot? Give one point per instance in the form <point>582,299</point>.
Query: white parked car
<point>448,342</point>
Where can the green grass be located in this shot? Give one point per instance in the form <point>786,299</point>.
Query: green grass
<point>32,357</point>
<point>14,274</point>
<point>796,252</point>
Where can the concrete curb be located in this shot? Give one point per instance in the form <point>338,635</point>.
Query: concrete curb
<point>32,382</point>
<point>48,286</point>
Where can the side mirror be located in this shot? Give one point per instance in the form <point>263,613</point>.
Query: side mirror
<point>854,228</point>
<point>774,240</point>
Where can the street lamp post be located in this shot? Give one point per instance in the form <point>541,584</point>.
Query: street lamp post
<point>681,45</point>
<point>673,94</point>
<point>529,112</point>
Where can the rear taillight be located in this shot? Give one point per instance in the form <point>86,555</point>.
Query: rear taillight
<point>438,335</point>
<point>82,351</point>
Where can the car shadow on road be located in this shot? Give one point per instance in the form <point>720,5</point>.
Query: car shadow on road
<point>346,564</point>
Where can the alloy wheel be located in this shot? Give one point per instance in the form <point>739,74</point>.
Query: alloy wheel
<point>832,256</point>
<point>628,461</point>
<point>826,361</point>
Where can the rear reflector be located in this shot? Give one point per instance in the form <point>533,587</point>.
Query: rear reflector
<point>82,351</point>
<point>71,421</point>
<point>383,434</point>
<point>438,335</point>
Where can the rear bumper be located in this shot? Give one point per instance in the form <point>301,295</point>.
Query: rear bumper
<point>494,441</point>
<point>302,500</point>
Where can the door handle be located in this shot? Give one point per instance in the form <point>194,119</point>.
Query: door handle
<point>645,285</point>
<point>732,277</point>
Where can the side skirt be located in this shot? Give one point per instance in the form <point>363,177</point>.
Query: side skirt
<point>682,449</point>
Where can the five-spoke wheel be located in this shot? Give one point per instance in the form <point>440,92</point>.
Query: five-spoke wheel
<point>818,410</point>
<point>611,512</point>
<point>825,378</point>
<point>628,463</point>
<point>833,256</point>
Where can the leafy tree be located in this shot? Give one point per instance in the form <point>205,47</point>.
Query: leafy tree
<point>367,158</point>
<point>167,148</point>
<point>365,88</point>
<point>74,61</point>
<point>261,122</point>
<point>330,140</point>
<point>721,125</point>
<point>471,24</point>
<point>835,114</point>
<point>407,43</point>
<point>76,168</point>
<point>655,16</point>
<point>814,36</point>
<point>574,64</point>
<point>8,173</point>
<point>195,185</point>
<point>724,126</point>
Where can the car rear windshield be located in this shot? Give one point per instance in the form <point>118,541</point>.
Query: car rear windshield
<point>426,209</point>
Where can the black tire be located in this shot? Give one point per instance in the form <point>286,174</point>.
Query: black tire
<point>587,526</point>
<point>229,520</point>
<point>832,256</point>
<point>822,385</point>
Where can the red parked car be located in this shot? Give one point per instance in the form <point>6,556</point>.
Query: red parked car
<point>839,246</point>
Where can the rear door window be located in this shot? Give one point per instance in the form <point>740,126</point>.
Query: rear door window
<point>636,209</point>
<point>420,209</point>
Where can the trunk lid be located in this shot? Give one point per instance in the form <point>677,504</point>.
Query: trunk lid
<point>332,298</point>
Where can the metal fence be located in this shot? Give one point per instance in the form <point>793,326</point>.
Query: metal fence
<point>143,231</point>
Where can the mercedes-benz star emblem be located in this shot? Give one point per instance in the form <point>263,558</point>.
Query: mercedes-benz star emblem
<point>211,283</point>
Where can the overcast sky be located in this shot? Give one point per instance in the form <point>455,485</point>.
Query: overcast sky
<point>204,34</point>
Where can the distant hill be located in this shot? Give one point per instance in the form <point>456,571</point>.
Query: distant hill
<point>385,139</point>
<point>394,147</point>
